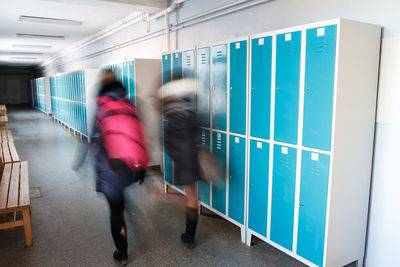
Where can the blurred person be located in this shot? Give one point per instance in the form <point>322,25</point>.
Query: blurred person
<point>120,155</point>
<point>180,113</point>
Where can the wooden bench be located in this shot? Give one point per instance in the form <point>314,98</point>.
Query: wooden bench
<point>3,122</point>
<point>3,110</point>
<point>14,197</point>
<point>6,136</point>
<point>8,154</point>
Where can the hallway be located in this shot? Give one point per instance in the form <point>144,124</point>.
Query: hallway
<point>70,221</point>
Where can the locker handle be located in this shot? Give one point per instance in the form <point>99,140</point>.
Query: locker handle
<point>252,88</point>
<point>302,204</point>
<point>230,177</point>
<point>277,88</point>
<point>308,88</point>
<point>274,194</point>
<point>231,87</point>
<point>251,185</point>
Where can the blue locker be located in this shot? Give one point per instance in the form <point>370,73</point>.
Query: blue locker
<point>219,83</point>
<point>238,85</point>
<point>283,193</point>
<point>287,86</point>
<point>203,89</point>
<point>166,68</point>
<point>203,186</point>
<point>176,65</point>
<point>167,161</point>
<point>237,163</point>
<point>132,92</point>
<point>313,205</point>
<point>125,77</point>
<point>189,68</point>
<point>219,185</point>
<point>261,60</point>
<point>318,87</point>
<point>258,186</point>
<point>120,72</point>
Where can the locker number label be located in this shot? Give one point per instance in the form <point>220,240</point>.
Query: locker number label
<point>261,41</point>
<point>237,45</point>
<point>203,132</point>
<point>176,55</point>
<point>259,145</point>
<point>166,57</point>
<point>315,156</point>
<point>236,139</point>
<point>284,150</point>
<point>219,135</point>
<point>320,31</point>
<point>288,37</point>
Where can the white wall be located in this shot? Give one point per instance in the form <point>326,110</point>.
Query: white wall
<point>384,219</point>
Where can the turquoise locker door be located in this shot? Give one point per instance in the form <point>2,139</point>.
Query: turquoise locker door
<point>283,191</point>
<point>318,87</point>
<point>167,160</point>
<point>287,87</point>
<point>166,68</point>
<point>238,85</point>
<point>237,164</point>
<point>219,83</point>
<point>188,68</point>
<point>203,186</point>
<point>258,186</point>
<point>261,60</point>
<point>120,72</point>
<point>132,92</point>
<point>203,88</point>
<point>125,77</point>
<point>176,65</point>
<point>219,185</point>
<point>86,120</point>
<point>313,205</point>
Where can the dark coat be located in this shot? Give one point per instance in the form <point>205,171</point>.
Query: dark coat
<point>110,181</point>
<point>181,140</point>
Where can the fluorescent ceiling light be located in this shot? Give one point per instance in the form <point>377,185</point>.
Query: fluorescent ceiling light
<point>25,53</point>
<point>32,46</point>
<point>50,20</point>
<point>23,58</point>
<point>40,36</point>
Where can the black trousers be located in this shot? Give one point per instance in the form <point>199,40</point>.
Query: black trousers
<point>118,226</point>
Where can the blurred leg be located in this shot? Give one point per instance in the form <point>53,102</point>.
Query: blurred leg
<point>191,216</point>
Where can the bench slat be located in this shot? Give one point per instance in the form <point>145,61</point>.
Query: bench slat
<point>13,152</point>
<point>5,181</point>
<point>9,136</point>
<point>6,153</point>
<point>24,191</point>
<point>14,186</point>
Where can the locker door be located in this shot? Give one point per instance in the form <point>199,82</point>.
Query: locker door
<point>203,88</point>
<point>287,87</point>
<point>204,187</point>
<point>167,160</point>
<point>120,72</point>
<point>237,163</point>
<point>125,77</point>
<point>132,89</point>
<point>258,186</point>
<point>166,68</point>
<point>177,65</point>
<point>283,191</point>
<point>219,185</point>
<point>238,82</point>
<point>261,59</point>
<point>313,205</point>
<point>188,68</point>
<point>318,87</point>
<point>219,83</point>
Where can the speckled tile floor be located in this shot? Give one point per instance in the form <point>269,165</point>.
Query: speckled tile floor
<point>70,221</point>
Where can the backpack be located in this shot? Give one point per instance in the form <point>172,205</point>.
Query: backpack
<point>122,132</point>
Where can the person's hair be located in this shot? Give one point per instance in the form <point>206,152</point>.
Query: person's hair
<point>108,78</point>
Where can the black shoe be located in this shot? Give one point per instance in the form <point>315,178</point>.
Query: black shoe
<point>189,242</point>
<point>121,257</point>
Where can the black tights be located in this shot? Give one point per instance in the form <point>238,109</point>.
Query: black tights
<point>118,226</point>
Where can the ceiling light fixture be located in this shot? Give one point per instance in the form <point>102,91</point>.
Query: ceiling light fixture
<point>40,36</point>
<point>32,46</point>
<point>50,20</point>
<point>25,53</point>
<point>23,58</point>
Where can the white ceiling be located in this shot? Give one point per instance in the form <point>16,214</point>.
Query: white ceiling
<point>95,15</point>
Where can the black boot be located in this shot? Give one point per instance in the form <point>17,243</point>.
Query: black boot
<point>191,222</point>
<point>121,257</point>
